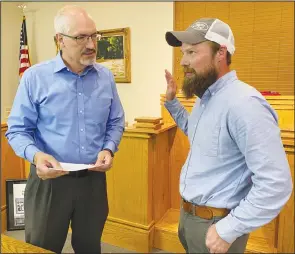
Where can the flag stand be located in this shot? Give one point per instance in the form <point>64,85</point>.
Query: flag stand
<point>24,59</point>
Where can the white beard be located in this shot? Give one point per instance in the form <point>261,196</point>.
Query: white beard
<point>88,61</point>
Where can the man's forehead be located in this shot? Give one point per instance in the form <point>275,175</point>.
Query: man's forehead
<point>82,29</point>
<point>185,46</point>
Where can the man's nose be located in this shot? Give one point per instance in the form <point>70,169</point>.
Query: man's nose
<point>184,62</point>
<point>90,44</point>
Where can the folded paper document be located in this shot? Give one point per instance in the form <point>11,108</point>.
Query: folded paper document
<point>75,167</point>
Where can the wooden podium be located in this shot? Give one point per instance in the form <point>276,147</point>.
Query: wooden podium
<point>138,188</point>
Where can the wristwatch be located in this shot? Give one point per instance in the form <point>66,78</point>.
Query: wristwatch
<point>111,152</point>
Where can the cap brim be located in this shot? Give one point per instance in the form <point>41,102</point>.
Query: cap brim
<point>175,39</point>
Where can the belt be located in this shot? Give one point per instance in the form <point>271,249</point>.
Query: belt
<point>205,212</point>
<point>77,174</point>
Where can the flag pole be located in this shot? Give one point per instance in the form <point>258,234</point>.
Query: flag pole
<point>24,57</point>
<point>23,7</point>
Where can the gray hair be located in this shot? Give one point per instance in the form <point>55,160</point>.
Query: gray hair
<point>62,18</point>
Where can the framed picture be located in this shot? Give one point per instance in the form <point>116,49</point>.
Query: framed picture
<point>15,190</point>
<point>113,51</point>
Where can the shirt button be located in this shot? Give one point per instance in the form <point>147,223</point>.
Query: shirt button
<point>203,105</point>
<point>82,147</point>
<point>80,94</point>
<point>81,111</point>
<point>81,129</point>
<point>213,94</point>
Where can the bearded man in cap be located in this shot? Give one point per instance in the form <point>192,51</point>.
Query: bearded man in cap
<point>236,177</point>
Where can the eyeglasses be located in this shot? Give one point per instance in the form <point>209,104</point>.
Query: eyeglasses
<point>83,39</point>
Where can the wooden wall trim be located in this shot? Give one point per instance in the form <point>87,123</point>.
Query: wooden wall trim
<point>3,126</point>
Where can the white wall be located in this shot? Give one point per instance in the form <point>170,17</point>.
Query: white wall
<point>11,20</point>
<point>150,54</point>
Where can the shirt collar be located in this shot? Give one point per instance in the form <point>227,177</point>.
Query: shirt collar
<point>221,82</point>
<point>60,65</point>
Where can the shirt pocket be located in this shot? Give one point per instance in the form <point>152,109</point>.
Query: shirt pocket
<point>209,145</point>
<point>101,107</point>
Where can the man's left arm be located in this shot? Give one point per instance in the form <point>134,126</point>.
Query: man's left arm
<point>254,128</point>
<point>116,122</point>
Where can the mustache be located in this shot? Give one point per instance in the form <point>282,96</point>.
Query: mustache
<point>187,69</point>
<point>87,51</point>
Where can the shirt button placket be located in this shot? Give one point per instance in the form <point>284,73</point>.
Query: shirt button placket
<point>81,115</point>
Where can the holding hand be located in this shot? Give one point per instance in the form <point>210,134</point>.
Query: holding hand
<point>104,161</point>
<point>47,166</point>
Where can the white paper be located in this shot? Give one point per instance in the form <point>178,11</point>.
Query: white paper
<point>18,198</point>
<point>75,167</point>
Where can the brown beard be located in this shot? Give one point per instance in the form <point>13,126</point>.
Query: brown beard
<point>198,83</point>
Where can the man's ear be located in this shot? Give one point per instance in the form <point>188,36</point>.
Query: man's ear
<point>59,39</point>
<point>222,53</point>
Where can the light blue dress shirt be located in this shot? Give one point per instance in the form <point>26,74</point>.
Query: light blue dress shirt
<point>236,159</point>
<point>71,117</point>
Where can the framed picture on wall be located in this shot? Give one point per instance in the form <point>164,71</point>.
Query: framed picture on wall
<point>15,189</point>
<point>113,51</point>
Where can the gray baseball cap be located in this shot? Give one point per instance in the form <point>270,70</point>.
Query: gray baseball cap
<point>204,29</point>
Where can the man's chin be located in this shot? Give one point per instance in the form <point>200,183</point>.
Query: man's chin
<point>87,62</point>
<point>188,95</point>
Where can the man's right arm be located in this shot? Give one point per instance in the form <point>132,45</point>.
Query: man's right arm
<point>22,121</point>
<point>178,113</point>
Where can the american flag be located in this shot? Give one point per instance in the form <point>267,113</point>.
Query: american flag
<point>24,59</point>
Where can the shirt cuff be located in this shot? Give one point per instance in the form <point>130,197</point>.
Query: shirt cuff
<point>30,152</point>
<point>225,231</point>
<point>111,146</point>
<point>173,105</point>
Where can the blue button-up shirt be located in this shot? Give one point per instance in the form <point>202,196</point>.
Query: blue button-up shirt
<point>71,117</point>
<point>236,159</point>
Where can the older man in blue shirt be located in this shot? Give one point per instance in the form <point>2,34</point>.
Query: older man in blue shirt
<point>236,177</point>
<point>67,110</point>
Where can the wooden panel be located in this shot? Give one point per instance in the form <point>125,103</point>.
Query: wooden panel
<point>11,245</point>
<point>165,235</point>
<point>159,165</point>
<point>263,239</point>
<point>264,58</point>
<point>27,168</point>
<point>129,191</point>
<point>3,218</point>
<point>12,167</point>
<point>286,217</point>
<point>138,189</point>
<point>128,237</point>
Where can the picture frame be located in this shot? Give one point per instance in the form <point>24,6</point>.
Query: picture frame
<point>15,189</point>
<point>113,51</point>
